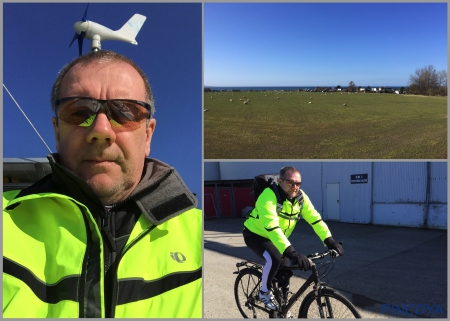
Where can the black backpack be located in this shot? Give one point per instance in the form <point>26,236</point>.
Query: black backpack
<point>261,182</point>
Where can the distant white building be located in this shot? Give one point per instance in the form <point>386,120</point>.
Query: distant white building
<point>386,193</point>
<point>375,90</point>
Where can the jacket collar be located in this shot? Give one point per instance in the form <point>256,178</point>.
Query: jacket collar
<point>284,195</point>
<point>160,195</point>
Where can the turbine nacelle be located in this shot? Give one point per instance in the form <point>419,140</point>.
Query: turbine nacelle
<point>97,32</point>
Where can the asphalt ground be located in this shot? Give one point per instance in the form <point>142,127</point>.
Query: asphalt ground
<point>386,271</point>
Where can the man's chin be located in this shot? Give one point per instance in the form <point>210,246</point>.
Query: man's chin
<point>101,183</point>
<point>110,189</point>
<point>293,194</point>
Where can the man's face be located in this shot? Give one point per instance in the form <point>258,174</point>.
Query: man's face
<point>290,183</point>
<point>110,161</point>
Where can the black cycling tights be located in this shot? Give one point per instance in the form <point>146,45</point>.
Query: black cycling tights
<point>265,249</point>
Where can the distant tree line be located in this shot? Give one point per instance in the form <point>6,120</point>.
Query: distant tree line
<point>428,81</point>
<point>425,81</point>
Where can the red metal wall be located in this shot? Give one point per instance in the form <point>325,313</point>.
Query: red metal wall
<point>243,197</point>
<point>209,199</point>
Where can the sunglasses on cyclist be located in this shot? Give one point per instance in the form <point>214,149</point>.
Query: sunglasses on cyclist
<point>127,114</point>
<point>292,183</point>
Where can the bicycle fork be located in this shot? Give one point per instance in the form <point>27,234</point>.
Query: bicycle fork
<point>321,304</point>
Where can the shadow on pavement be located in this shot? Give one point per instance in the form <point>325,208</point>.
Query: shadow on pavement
<point>395,271</point>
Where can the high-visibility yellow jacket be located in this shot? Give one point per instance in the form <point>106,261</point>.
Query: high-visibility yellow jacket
<point>277,222</point>
<point>54,251</point>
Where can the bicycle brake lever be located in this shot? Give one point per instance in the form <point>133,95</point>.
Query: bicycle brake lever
<point>333,254</point>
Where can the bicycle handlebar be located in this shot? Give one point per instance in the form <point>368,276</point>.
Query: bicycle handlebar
<point>312,257</point>
<point>318,256</point>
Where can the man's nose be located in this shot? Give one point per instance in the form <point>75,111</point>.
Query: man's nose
<point>101,129</point>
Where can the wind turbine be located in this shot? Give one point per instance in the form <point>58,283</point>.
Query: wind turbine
<point>97,32</point>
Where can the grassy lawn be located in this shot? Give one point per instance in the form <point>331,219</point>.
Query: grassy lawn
<point>287,126</point>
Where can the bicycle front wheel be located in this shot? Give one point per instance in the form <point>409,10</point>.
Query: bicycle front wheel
<point>246,293</point>
<point>332,304</point>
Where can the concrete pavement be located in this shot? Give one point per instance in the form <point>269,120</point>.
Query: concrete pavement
<point>387,271</point>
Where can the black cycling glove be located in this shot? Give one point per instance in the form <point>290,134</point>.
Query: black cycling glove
<point>333,245</point>
<point>298,259</point>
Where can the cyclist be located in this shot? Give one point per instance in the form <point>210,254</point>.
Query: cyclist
<point>268,227</point>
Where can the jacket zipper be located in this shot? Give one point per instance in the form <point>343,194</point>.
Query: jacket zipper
<point>116,265</point>
<point>104,223</point>
<point>106,213</point>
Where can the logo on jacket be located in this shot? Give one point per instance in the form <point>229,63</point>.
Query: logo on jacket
<point>177,256</point>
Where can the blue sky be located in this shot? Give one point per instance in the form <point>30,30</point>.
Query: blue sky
<point>36,41</point>
<point>321,44</point>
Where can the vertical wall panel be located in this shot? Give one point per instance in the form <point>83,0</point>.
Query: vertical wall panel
<point>438,183</point>
<point>210,205</point>
<point>211,171</point>
<point>243,197</point>
<point>226,203</point>
<point>399,182</point>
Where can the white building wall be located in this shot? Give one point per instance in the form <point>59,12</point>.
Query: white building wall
<point>438,190</point>
<point>400,194</point>
<point>394,195</point>
<point>437,211</point>
<point>400,182</point>
<point>355,199</point>
<point>211,171</point>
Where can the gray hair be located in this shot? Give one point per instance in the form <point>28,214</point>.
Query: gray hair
<point>286,169</point>
<point>102,55</point>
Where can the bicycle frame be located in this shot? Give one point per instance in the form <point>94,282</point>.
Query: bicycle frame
<point>312,279</point>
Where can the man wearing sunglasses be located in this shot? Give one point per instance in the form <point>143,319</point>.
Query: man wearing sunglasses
<point>269,225</point>
<point>111,232</point>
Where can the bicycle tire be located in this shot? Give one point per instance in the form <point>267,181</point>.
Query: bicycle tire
<point>246,293</point>
<point>334,305</point>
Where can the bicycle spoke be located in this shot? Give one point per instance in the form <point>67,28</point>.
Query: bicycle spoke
<point>246,293</point>
<point>330,305</point>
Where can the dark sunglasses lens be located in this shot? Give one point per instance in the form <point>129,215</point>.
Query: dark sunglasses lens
<point>292,183</point>
<point>127,114</point>
<point>78,112</point>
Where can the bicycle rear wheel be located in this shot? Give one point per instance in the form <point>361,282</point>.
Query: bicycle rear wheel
<point>334,306</point>
<point>246,293</point>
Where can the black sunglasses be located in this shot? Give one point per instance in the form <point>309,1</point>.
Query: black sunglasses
<point>122,113</point>
<point>291,183</point>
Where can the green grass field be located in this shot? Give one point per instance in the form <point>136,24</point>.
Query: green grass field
<point>371,126</point>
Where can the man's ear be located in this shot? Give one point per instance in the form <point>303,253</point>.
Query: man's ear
<point>149,134</point>
<point>56,129</point>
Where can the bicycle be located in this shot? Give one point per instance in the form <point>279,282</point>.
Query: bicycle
<point>329,303</point>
